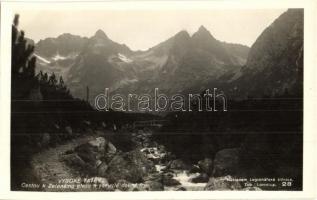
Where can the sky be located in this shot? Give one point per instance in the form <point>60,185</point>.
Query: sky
<point>142,29</point>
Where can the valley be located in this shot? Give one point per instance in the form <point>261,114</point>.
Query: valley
<point>59,133</point>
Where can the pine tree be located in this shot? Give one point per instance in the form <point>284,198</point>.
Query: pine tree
<point>30,70</point>
<point>52,80</point>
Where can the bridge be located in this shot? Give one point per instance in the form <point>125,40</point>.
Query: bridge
<point>149,123</point>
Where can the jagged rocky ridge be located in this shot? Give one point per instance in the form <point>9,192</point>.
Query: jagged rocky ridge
<point>181,62</point>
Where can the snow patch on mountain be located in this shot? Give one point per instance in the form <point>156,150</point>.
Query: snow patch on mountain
<point>59,57</point>
<point>42,59</point>
<point>124,58</point>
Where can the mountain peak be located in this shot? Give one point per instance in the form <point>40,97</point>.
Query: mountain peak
<point>182,34</point>
<point>100,34</point>
<point>66,35</point>
<point>202,32</point>
<point>202,29</point>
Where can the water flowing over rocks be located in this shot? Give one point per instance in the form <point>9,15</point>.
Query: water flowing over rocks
<point>149,167</point>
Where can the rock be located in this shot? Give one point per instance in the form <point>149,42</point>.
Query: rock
<point>88,153</point>
<point>181,189</point>
<point>73,160</point>
<point>168,181</point>
<point>222,183</point>
<point>153,154</point>
<point>226,162</point>
<point>201,178</point>
<point>110,149</point>
<point>167,170</point>
<point>155,176</point>
<point>177,164</point>
<point>97,149</point>
<point>194,169</point>
<point>102,169</point>
<point>206,166</point>
<point>99,143</point>
<point>168,174</point>
<point>132,166</point>
<point>154,185</point>
<point>98,163</point>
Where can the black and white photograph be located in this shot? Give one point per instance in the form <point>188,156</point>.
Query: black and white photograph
<point>134,100</point>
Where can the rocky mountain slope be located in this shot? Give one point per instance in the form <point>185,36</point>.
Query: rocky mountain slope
<point>275,62</point>
<point>101,63</point>
<point>58,54</point>
<point>183,63</point>
<point>173,65</point>
<point>186,61</point>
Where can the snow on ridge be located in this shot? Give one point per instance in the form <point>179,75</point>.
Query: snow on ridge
<point>124,58</point>
<point>58,57</point>
<point>42,59</point>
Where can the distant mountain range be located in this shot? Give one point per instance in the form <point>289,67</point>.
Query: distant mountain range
<point>182,63</point>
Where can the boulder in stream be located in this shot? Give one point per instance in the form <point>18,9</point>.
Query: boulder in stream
<point>132,166</point>
<point>169,181</point>
<point>226,162</point>
<point>177,164</point>
<point>201,178</point>
<point>181,189</point>
<point>195,169</point>
<point>154,185</point>
<point>206,166</point>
